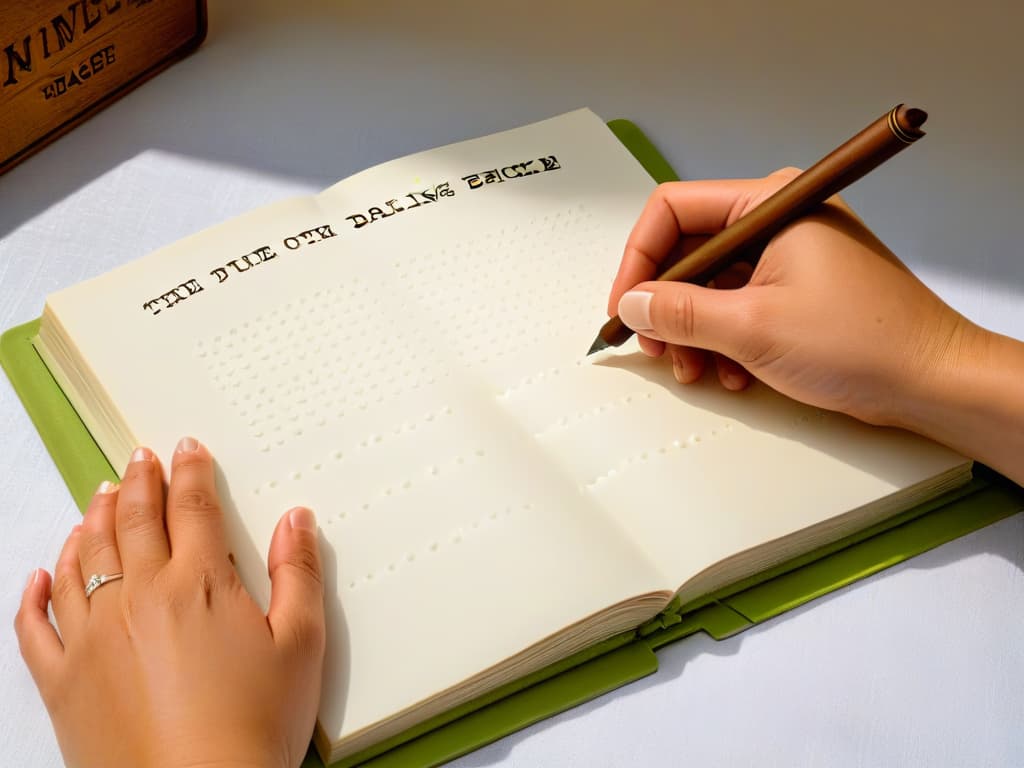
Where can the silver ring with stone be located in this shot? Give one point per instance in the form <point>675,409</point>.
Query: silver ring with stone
<point>97,580</point>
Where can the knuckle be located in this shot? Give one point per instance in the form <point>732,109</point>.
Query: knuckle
<point>138,514</point>
<point>166,596</point>
<point>664,189</point>
<point>307,635</point>
<point>190,465</point>
<point>98,545</point>
<point>63,587</point>
<point>20,618</point>
<point>197,502</point>
<point>207,582</point>
<point>681,320</point>
<point>788,172</point>
<point>306,563</point>
<point>757,340</point>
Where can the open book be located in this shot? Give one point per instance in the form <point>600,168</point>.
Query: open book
<point>405,354</point>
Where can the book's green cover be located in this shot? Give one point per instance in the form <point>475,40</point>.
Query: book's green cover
<point>613,662</point>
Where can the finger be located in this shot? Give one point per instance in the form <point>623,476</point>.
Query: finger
<point>70,605</point>
<point>141,537</point>
<point>688,315</point>
<point>97,552</point>
<point>687,363</point>
<point>195,524</point>
<point>680,208</point>
<point>734,276</point>
<point>731,374</point>
<point>296,612</point>
<point>651,347</point>
<point>37,639</point>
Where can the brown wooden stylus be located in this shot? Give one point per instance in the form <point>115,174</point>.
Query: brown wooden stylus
<point>898,128</point>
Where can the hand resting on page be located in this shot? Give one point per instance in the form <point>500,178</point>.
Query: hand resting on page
<point>174,664</point>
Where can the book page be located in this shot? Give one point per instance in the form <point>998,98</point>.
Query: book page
<point>699,474</point>
<point>302,344</point>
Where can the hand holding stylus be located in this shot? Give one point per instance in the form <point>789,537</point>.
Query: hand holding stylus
<point>829,316</point>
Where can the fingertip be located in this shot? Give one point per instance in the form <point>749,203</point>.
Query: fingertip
<point>735,382</point>
<point>732,376</point>
<point>635,310</point>
<point>187,444</point>
<point>106,488</point>
<point>687,364</point>
<point>37,638</point>
<point>104,496</point>
<point>302,518</point>
<point>296,531</point>
<point>33,585</point>
<point>190,451</point>
<point>40,585</point>
<point>142,464</point>
<point>141,453</point>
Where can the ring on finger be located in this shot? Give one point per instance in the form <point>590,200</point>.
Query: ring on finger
<point>97,580</point>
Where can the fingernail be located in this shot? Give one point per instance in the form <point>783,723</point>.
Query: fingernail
<point>187,445</point>
<point>733,381</point>
<point>678,369</point>
<point>107,487</point>
<point>142,454</point>
<point>32,578</point>
<point>300,517</point>
<point>635,309</point>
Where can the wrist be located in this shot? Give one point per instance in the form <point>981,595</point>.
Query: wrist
<point>969,398</point>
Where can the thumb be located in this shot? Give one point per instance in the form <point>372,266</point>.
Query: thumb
<point>687,315</point>
<point>296,612</point>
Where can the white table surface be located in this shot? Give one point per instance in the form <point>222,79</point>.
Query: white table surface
<point>921,665</point>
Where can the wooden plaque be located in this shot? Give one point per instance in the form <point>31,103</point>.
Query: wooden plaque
<point>61,61</point>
